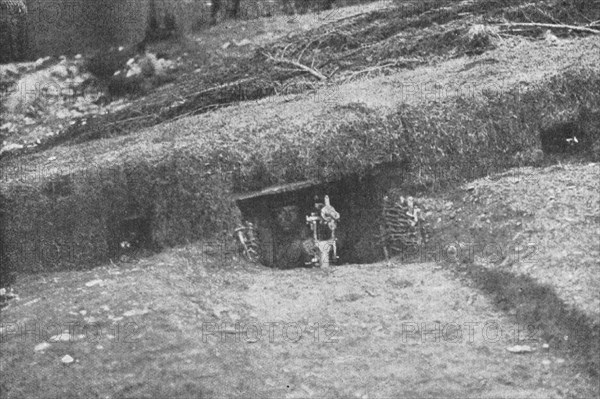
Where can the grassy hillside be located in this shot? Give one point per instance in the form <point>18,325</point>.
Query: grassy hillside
<point>69,206</point>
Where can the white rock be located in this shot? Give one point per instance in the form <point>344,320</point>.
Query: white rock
<point>136,312</point>
<point>244,42</point>
<point>520,349</point>
<point>226,46</point>
<point>162,66</point>
<point>41,61</point>
<point>134,70</point>
<point>66,359</point>
<point>64,337</point>
<point>60,71</point>
<point>11,147</point>
<point>93,283</point>
<point>41,347</point>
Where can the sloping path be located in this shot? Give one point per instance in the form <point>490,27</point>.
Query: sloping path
<point>189,328</point>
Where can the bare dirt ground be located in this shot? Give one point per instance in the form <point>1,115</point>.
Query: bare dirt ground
<point>192,322</point>
<point>180,325</point>
<point>540,222</point>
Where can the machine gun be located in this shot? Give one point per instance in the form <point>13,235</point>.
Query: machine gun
<point>329,217</point>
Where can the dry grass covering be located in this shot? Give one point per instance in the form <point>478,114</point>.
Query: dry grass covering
<point>181,186</point>
<point>376,42</point>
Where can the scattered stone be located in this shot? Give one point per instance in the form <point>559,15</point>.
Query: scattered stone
<point>31,302</point>
<point>73,70</point>
<point>41,61</point>
<point>162,66</point>
<point>134,70</point>
<point>83,312</point>
<point>136,312</point>
<point>41,347</point>
<point>546,362</point>
<point>64,337</point>
<point>60,71</point>
<point>7,126</point>
<point>66,359</point>
<point>242,43</point>
<point>520,349</point>
<point>93,283</point>
<point>226,46</point>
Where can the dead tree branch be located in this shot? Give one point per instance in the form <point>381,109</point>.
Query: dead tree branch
<point>550,26</point>
<point>296,64</point>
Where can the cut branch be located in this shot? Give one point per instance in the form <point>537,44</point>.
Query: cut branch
<point>298,65</point>
<point>551,26</point>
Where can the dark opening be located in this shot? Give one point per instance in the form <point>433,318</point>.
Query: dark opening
<point>130,235</point>
<point>62,186</point>
<point>279,215</point>
<point>563,138</point>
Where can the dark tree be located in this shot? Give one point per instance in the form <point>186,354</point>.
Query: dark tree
<point>235,8</point>
<point>13,30</point>
<point>328,4</point>
<point>232,9</point>
<point>214,10</point>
